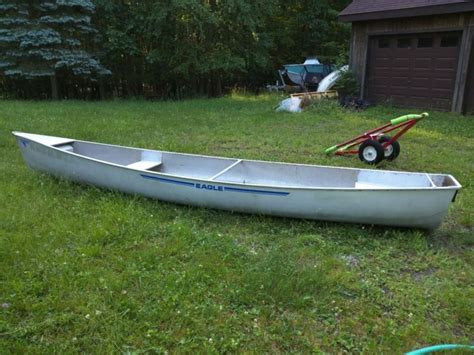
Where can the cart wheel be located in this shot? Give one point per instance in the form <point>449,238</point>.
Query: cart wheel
<point>371,152</point>
<point>392,151</point>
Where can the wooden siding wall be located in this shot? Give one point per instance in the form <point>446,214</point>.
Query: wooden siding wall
<point>361,31</point>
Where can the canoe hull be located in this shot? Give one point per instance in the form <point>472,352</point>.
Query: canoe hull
<point>423,208</point>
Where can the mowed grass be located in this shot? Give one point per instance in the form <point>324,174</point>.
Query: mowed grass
<point>96,271</point>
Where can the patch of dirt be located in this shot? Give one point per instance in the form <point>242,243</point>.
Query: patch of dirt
<point>420,275</point>
<point>350,260</point>
<point>452,243</point>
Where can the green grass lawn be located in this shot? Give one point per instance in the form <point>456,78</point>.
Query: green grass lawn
<point>91,270</point>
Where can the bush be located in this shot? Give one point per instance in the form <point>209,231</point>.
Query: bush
<point>347,84</point>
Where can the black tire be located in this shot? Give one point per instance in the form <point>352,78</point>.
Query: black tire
<point>371,152</point>
<point>392,151</point>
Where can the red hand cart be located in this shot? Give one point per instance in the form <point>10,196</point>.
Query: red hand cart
<point>375,145</point>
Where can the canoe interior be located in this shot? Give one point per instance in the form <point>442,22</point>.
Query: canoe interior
<point>254,172</point>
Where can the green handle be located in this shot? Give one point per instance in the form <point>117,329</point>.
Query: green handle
<point>331,149</point>
<point>408,117</point>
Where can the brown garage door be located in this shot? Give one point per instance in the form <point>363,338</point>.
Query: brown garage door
<point>413,70</point>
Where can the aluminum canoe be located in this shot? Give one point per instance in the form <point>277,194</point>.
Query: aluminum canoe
<point>365,196</point>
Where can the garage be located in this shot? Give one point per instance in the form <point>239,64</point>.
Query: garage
<point>413,70</point>
<point>413,53</point>
<point>469,93</point>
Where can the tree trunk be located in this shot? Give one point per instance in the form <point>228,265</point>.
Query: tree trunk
<point>101,89</point>
<point>177,91</point>
<point>202,88</point>
<point>209,87</point>
<point>194,86</point>
<point>70,90</point>
<point>54,87</point>
<point>218,86</point>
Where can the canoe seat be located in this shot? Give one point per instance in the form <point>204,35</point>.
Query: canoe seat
<point>66,147</point>
<point>144,164</point>
<point>370,186</point>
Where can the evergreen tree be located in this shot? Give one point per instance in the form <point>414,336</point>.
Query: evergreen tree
<point>48,39</point>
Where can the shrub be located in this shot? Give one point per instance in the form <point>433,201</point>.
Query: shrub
<point>347,84</point>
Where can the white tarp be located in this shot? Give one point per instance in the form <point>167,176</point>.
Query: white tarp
<point>313,60</point>
<point>292,104</point>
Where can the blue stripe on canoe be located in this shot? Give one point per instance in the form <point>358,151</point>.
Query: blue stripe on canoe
<point>251,191</point>
<point>170,181</point>
<point>232,189</point>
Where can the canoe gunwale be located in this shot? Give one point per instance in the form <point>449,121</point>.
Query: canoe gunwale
<point>211,180</point>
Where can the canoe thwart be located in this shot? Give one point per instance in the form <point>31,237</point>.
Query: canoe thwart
<point>226,169</point>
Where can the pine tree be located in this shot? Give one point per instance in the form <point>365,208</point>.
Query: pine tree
<point>48,38</point>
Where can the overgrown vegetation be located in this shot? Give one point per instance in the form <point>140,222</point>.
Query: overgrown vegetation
<point>95,271</point>
<point>160,49</point>
<point>347,84</point>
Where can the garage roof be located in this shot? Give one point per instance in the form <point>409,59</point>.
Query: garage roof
<point>362,10</point>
